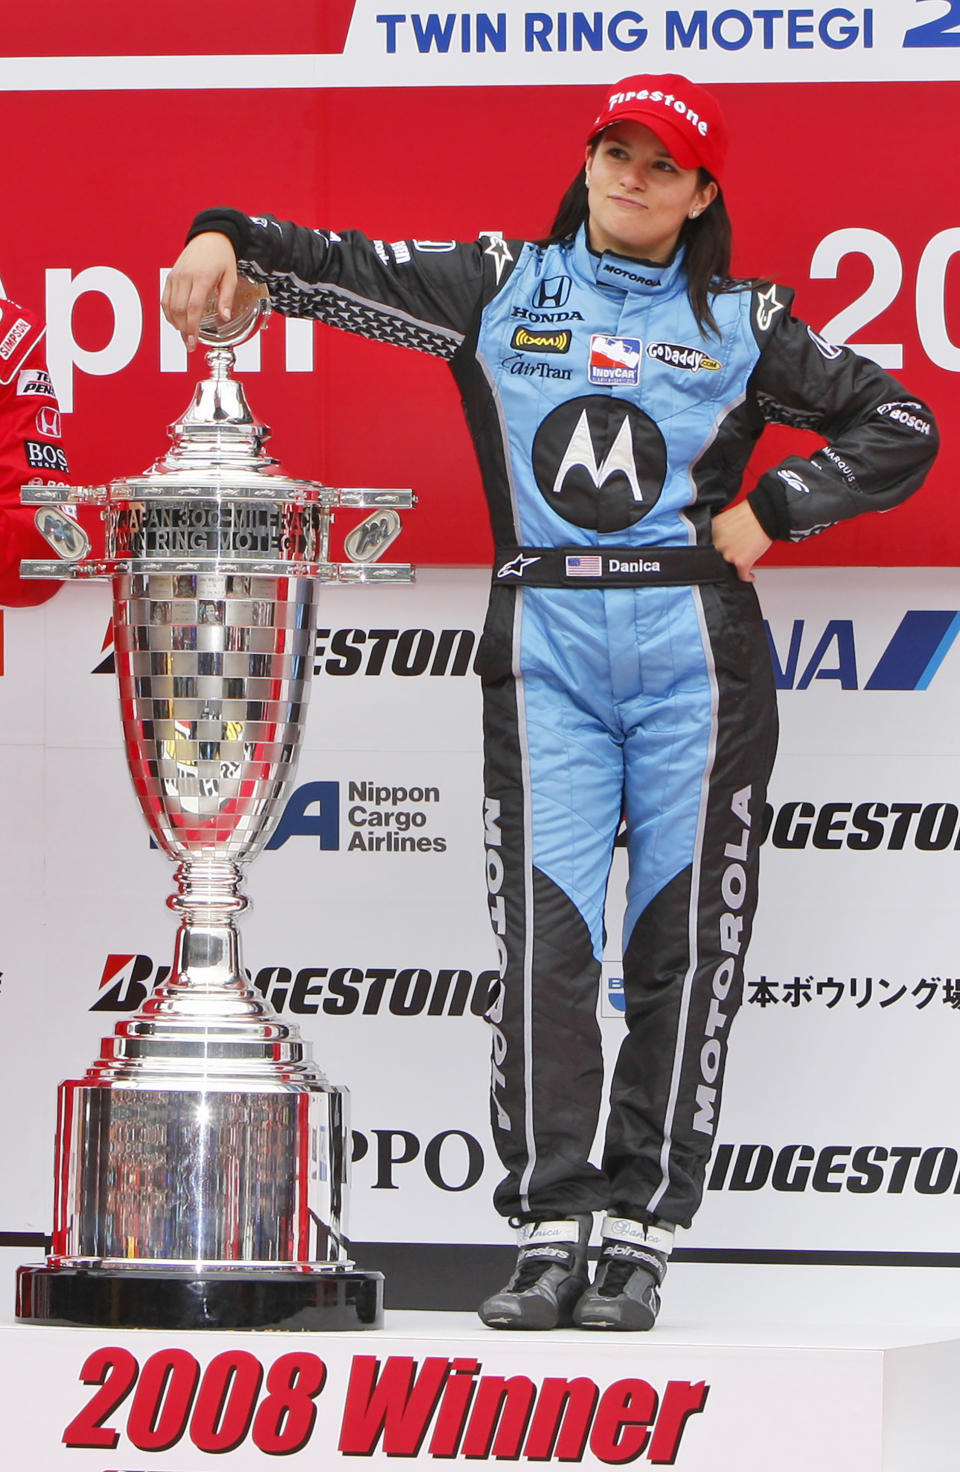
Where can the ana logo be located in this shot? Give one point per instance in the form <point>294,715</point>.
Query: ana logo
<point>554,291</point>
<point>676,355</point>
<point>312,811</point>
<point>614,361</point>
<point>585,458</point>
<point>541,342</point>
<point>916,651</point>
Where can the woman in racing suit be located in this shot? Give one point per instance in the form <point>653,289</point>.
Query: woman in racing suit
<point>615,380</point>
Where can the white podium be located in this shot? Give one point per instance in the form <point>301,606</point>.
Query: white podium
<point>433,1388</point>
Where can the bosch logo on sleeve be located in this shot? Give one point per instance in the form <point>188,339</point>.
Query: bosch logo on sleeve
<point>903,415</point>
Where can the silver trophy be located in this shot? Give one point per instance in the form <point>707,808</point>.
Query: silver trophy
<point>202,1162</point>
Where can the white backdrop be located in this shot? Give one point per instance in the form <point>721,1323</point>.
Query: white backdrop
<point>835,1135</point>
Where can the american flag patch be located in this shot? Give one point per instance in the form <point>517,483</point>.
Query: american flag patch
<point>584,567</point>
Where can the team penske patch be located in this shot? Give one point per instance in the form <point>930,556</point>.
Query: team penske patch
<point>542,340</point>
<point>614,360</point>
<point>35,382</point>
<point>677,355</point>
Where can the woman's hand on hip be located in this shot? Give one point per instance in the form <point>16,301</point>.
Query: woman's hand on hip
<point>740,539</point>
<point>206,267</point>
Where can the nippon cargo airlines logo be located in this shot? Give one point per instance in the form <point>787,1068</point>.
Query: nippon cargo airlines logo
<point>813,650</point>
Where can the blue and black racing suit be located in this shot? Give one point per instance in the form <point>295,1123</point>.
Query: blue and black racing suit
<point>624,665</point>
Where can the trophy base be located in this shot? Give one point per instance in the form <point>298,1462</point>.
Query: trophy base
<point>200,1298</point>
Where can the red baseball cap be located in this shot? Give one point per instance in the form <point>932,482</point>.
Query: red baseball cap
<point>686,118</point>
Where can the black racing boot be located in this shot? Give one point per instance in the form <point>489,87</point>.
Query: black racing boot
<point>625,1292</point>
<point>549,1278</point>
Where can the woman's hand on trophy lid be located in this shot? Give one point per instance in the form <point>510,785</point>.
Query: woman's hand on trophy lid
<point>206,268</point>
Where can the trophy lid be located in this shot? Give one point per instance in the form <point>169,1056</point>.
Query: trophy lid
<point>217,443</point>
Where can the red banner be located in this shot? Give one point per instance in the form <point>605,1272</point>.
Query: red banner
<point>176,27</point>
<point>856,217</point>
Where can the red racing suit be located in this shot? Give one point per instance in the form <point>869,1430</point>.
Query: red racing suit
<point>31,452</point>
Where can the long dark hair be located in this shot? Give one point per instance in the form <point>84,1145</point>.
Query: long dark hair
<point>707,240</point>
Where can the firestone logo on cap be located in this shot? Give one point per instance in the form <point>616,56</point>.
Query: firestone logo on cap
<point>688,113</point>
<point>686,118</point>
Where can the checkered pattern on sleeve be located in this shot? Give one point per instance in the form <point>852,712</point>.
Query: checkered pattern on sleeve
<point>777,413</point>
<point>340,308</point>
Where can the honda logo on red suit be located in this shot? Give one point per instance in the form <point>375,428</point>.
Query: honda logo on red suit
<point>48,422</point>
